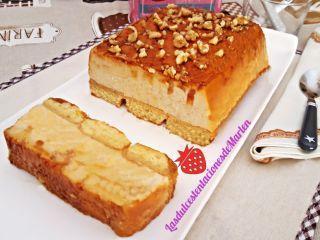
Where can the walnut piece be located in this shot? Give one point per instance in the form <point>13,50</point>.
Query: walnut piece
<point>182,56</point>
<point>179,41</point>
<point>170,71</point>
<point>161,53</point>
<point>171,5</point>
<point>220,15</point>
<point>140,43</point>
<point>196,18</point>
<point>151,70</point>
<point>192,52</point>
<point>207,35</point>
<point>208,16</point>
<point>234,22</point>
<point>207,25</point>
<point>154,34</point>
<point>173,27</point>
<point>114,49</point>
<point>142,53</point>
<point>171,11</point>
<point>222,23</point>
<point>219,53</point>
<point>203,47</point>
<point>157,20</point>
<point>230,39</point>
<point>218,29</point>
<point>192,35</point>
<point>161,42</point>
<point>112,39</point>
<point>132,37</point>
<point>185,12</point>
<point>200,65</point>
<point>214,40</point>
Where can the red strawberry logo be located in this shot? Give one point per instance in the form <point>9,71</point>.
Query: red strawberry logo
<point>192,160</point>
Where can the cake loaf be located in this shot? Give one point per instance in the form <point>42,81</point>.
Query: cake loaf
<point>186,68</point>
<point>92,165</point>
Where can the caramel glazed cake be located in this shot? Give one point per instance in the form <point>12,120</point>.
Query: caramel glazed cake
<point>185,67</point>
<point>92,165</point>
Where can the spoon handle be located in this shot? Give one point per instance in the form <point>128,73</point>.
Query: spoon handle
<point>308,139</point>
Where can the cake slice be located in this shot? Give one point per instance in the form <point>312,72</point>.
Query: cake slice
<point>92,165</point>
<point>187,68</point>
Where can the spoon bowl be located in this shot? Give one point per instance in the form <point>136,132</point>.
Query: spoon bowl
<point>310,83</point>
<point>310,86</point>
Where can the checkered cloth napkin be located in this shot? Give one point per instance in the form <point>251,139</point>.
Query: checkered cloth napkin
<point>309,223</point>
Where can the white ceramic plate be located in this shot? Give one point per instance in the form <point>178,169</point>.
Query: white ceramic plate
<point>30,212</point>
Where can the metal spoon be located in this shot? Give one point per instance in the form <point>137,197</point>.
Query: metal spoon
<point>310,86</point>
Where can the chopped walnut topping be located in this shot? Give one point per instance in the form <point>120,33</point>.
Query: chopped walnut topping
<point>207,25</point>
<point>178,76</point>
<point>184,71</point>
<point>219,53</point>
<point>208,16</point>
<point>114,49</point>
<point>185,12</point>
<point>203,47</point>
<point>151,70</point>
<point>192,52</point>
<point>132,37</point>
<point>222,23</point>
<point>228,22</point>
<point>161,42</point>
<point>242,20</point>
<point>235,22</point>
<point>157,20</point>
<point>143,23</point>
<point>113,36</point>
<point>156,16</point>
<point>139,43</point>
<point>218,29</point>
<point>173,27</point>
<point>176,52</point>
<point>161,53</point>
<point>177,20</point>
<point>112,39</point>
<point>171,5</point>
<point>214,40</point>
<point>170,71</point>
<point>142,53</point>
<point>200,65</point>
<point>207,35</point>
<point>182,56</point>
<point>171,11</point>
<point>179,41</point>
<point>220,15</point>
<point>189,27</point>
<point>154,34</point>
<point>230,39</point>
<point>196,18</point>
<point>192,35</point>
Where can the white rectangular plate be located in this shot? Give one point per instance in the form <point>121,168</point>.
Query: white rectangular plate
<point>28,211</point>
